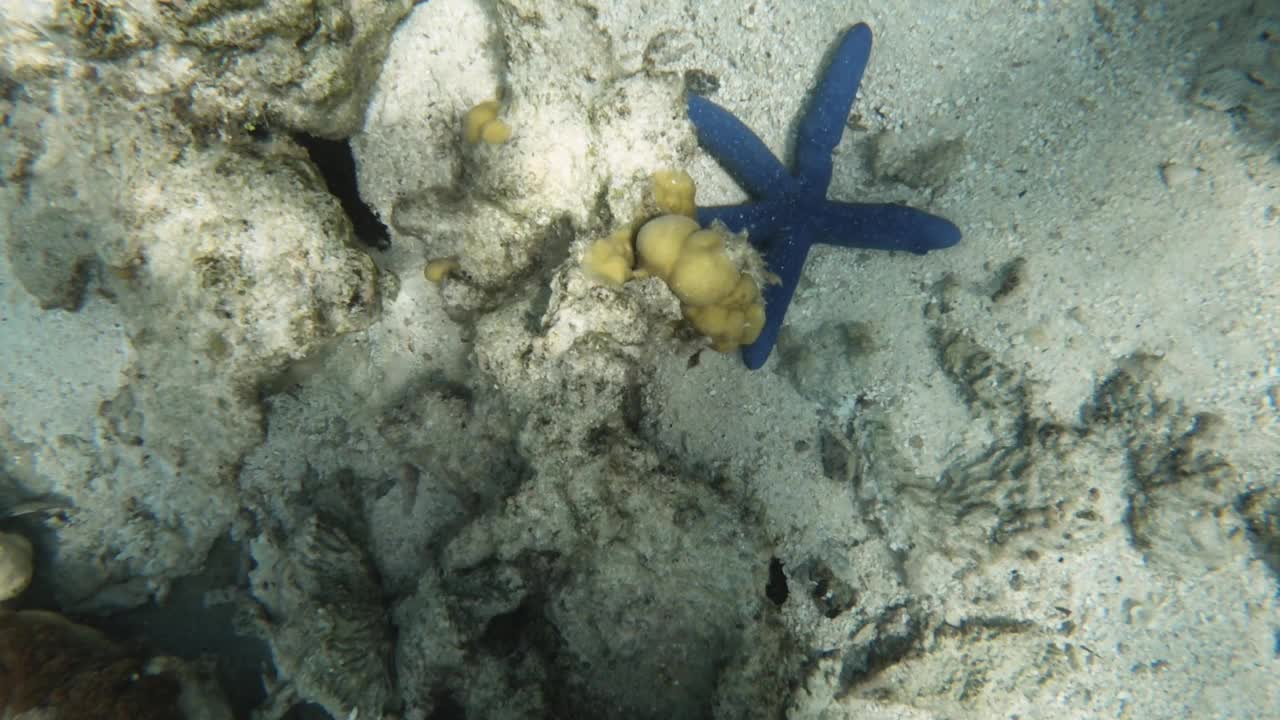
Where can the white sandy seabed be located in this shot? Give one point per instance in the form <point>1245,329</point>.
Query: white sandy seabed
<point>1036,475</point>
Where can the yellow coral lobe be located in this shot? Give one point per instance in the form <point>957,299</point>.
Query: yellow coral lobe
<point>437,270</point>
<point>495,132</point>
<point>609,261</point>
<point>703,276</point>
<point>744,293</point>
<point>709,240</point>
<point>482,123</point>
<point>753,323</point>
<point>673,192</point>
<point>661,241</point>
<point>707,319</point>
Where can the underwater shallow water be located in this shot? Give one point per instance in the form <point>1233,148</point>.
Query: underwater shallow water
<point>1032,474</point>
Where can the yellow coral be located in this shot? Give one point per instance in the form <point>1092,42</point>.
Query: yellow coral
<point>482,123</point>
<point>734,321</point>
<point>718,300</point>
<point>673,192</point>
<point>609,261</point>
<point>660,242</point>
<point>437,270</point>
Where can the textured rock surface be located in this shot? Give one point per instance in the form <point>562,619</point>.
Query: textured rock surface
<point>201,262</point>
<point>1034,475</point>
<point>1240,74</point>
<point>320,606</point>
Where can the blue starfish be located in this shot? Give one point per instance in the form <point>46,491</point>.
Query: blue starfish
<point>792,212</point>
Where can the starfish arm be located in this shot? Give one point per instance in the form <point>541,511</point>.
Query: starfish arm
<point>785,258</point>
<point>823,123</point>
<point>737,149</point>
<point>883,227</point>
<point>792,212</point>
<point>759,220</point>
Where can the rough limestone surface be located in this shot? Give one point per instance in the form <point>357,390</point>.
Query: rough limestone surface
<point>1240,74</point>
<point>1034,475</point>
<point>159,266</point>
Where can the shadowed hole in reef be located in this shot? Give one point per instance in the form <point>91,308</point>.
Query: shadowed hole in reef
<point>186,626</point>
<point>338,167</point>
<point>307,711</point>
<point>776,589</point>
<point>501,635</point>
<point>447,707</point>
<point>523,629</point>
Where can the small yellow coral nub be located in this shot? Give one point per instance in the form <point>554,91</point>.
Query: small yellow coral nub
<point>437,270</point>
<point>482,123</point>
<point>609,261</point>
<point>673,192</point>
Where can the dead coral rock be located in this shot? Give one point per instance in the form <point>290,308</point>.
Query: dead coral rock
<point>1240,74</point>
<point>309,63</point>
<point>324,619</point>
<point>585,588</point>
<point>51,253</point>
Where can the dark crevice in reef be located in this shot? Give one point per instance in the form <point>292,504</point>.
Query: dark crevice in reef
<point>776,589</point>
<point>307,711</point>
<point>447,707</point>
<point>524,629</point>
<point>338,167</point>
<point>184,625</point>
<point>527,633</point>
